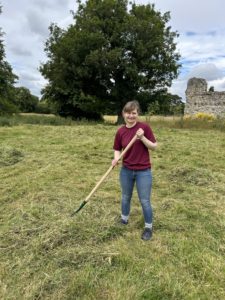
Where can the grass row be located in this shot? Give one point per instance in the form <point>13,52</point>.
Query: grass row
<point>47,171</point>
<point>178,122</point>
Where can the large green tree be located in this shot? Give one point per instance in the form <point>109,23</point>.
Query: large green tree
<point>7,80</point>
<point>25,101</point>
<point>112,53</point>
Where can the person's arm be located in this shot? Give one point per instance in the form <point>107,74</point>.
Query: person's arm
<point>150,145</point>
<point>116,157</point>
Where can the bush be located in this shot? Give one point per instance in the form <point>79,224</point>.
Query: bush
<point>5,121</point>
<point>201,121</point>
<point>44,108</point>
<point>204,116</point>
<point>7,107</point>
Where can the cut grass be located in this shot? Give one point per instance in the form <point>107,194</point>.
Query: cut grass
<point>46,254</point>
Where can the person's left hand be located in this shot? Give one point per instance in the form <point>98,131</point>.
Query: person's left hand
<point>140,133</point>
<point>114,162</point>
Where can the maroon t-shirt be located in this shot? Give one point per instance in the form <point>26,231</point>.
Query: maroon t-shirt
<point>137,157</point>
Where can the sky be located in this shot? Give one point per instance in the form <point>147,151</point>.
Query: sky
<point>201,41</point>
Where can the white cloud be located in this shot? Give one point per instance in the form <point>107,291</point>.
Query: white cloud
<point>218,84</point>
<point>202,46</point>
<point>47,4</point>
<point>178,88</point>
<point>202,56</point>
<point>25,24</point>
<point>20,51</point>
<point>200,25</point>
<point>206,71</point>
<point>201,42</point>
<point>36,23</point>
<point>192,15</point>
<point>210,72</point>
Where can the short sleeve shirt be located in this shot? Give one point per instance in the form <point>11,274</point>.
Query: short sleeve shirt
<point>137,157</point>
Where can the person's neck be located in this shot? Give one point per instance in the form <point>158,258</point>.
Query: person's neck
<point>131,125</point>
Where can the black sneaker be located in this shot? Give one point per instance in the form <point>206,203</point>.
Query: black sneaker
<point>124,222</point>
<point>147,234</point>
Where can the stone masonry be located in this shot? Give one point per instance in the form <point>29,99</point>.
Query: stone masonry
<point>198,99</point>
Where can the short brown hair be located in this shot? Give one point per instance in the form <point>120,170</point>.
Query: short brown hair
<point>132,105</point>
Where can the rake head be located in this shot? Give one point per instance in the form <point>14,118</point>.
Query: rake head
<point>81,206</point>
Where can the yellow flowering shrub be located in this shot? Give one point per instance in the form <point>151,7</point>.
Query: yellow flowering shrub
<point>204,116</point>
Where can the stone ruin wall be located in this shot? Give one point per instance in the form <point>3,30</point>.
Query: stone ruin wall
<point>198,99</point>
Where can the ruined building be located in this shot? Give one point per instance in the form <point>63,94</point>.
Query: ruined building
<point>199,99</point>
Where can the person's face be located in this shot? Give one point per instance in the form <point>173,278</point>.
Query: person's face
<point>130,118</point>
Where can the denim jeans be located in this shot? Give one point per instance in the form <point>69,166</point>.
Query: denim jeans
<point>143,179</point>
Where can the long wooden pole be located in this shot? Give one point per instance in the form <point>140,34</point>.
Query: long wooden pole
<point>104,176</point>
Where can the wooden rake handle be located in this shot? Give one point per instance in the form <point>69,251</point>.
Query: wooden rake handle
<point>110,169</point>
<point>104,176</point>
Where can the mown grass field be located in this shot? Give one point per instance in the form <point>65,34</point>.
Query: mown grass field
<point>46,171</point>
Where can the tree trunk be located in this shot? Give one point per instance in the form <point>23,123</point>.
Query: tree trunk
<point>119,119</point>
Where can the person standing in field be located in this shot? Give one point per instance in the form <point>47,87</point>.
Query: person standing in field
<point>136,166</point>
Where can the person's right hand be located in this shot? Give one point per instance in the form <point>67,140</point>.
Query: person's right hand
<point>114,162</point>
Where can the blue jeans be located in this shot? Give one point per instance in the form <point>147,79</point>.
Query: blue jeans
<point>143,179</point>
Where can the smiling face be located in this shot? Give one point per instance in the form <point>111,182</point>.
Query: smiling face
<point>130,117</point>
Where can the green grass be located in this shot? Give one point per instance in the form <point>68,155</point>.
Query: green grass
<point>47,171</point>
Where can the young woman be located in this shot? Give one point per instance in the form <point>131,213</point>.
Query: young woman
<point>136,164</point>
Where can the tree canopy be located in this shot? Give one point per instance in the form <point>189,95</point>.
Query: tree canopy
<point>25,101</point>
<point>114,52</point>
<point>7,80</point>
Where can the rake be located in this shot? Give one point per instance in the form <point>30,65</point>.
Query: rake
<point>104,177</point>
